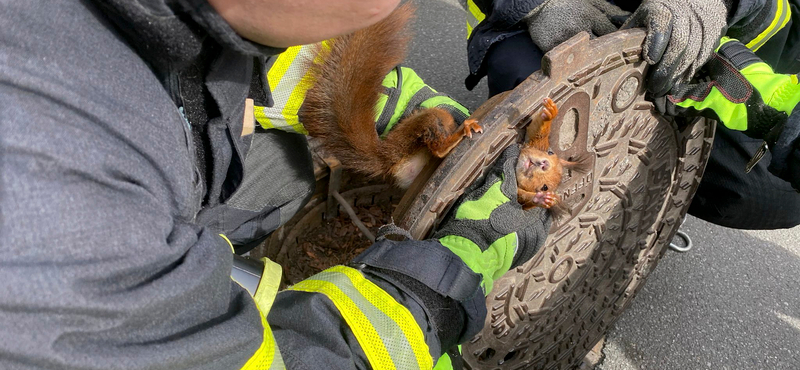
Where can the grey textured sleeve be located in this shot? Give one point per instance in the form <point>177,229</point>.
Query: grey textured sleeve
<point>98,269</point>
<point>101,266</point>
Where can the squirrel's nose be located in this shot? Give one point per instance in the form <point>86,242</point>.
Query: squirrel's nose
<point>545,164</point>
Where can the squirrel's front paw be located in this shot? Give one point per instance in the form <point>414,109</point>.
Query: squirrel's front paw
<point>545,199</point>
<point>471,125</point>
<point>550,110</point>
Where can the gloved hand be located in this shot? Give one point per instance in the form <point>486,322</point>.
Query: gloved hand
<point>555,21</point>
<point>488,228</point>
<point>406,92</point>
<point>737,88</point>
<point>681,35</point>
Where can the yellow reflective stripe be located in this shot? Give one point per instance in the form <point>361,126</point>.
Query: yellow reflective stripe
<point>782,16</point>
<point>274,77</point>
<point>289,81</point>
<point>283,78</point>
<point>475,11</point>
<point>365,333</point>
<point>298,95</point>
<point>385,329</point>
<point>267,356</point>
<point>262,118</point>
<point>277,121</point>
<point>282,64</point>
<point>474,16</point>
<point>268,285</point>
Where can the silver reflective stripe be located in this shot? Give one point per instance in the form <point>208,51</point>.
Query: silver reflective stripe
<point>474,15</point>
<point>386,330</point>
<point>392,336</point>
<point>782,15</point>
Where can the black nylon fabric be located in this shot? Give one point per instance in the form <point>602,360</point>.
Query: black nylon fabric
<point>729,197</point>
<point>429,263</point>
<point>786,151</point>
<point>502,21</point>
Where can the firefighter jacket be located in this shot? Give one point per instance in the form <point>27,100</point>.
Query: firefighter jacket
<point>125,179</point>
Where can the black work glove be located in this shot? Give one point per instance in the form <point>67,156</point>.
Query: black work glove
<point>488,228</point>
<point>555,21</point>
<point>681,35</point>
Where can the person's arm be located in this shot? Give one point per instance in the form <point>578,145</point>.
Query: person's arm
<point>754,22</point>
<point>398,305</point>
<point>745,94</point>
<point>280,23</point>
<point>102,266</point>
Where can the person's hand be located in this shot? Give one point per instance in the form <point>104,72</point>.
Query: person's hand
<point>681,35</point>
<point>488,228</point>
<point>737,88</point>
<point>555,21</point>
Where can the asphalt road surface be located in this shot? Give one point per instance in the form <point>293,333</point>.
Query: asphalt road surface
<point>732,302</point>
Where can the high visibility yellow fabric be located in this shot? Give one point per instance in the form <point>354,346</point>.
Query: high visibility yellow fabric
<point>474,16</point>
<point>783,14</point>
<point>491,263</point>
<point>412,83</point>
<point>778,91</point>
<point>268,285</point>
<point>732,115</point>
<point>444,363</point>
<point>289,82</point>
<point>385,329</point>
<point>267,357</point>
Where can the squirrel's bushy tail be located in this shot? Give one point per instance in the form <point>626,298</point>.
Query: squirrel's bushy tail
<point>340,107</point>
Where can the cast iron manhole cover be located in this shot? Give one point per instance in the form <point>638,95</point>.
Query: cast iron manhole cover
<point>548,313</point>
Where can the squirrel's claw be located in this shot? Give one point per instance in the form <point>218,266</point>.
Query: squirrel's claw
<point>549,110</point>
<point>471,125</point>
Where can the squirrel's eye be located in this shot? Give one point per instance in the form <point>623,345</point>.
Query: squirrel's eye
<point>544,187</point>
<point>549,152</point>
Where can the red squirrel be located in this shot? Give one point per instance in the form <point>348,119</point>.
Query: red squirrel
<point>339,110</point>
<point>538,169</point>
<point>339,107</point>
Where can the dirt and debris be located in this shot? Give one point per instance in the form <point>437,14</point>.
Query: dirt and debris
<point>334,242</point>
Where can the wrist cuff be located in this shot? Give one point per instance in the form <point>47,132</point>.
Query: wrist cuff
<point>428,262</point>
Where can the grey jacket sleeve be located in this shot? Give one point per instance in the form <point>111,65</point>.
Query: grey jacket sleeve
<point>101,265</point>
